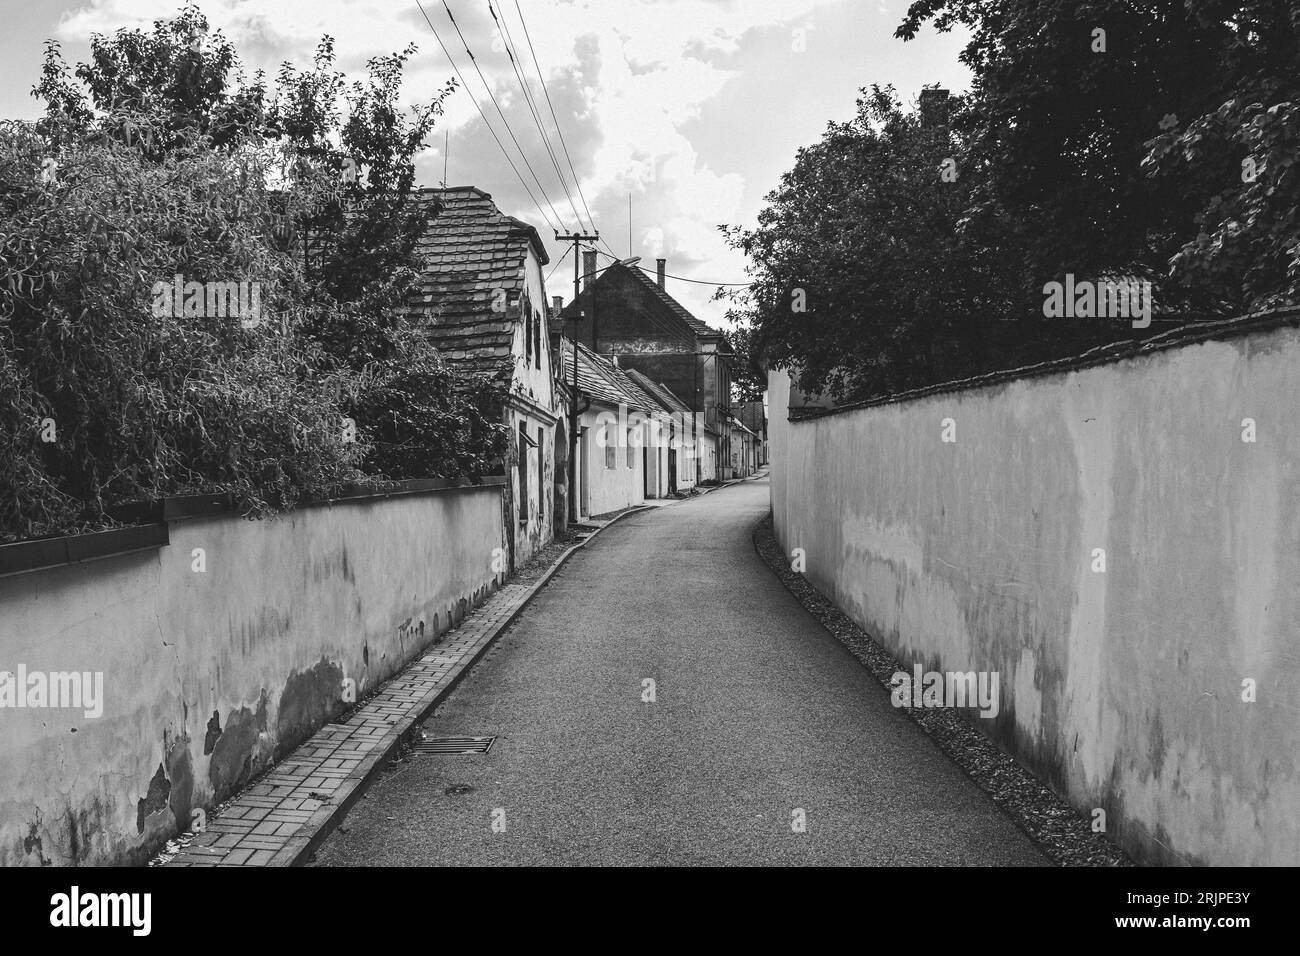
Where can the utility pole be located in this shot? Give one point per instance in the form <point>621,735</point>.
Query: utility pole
<point>575,238</point>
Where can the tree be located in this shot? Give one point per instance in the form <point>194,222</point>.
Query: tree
<point>158,158</point>
<point>871,271</point>
<point>1073,97</point>
<point>116,389</point>
<point>1105,140</point>
<point>748,377</point>
<point>1237,164</point>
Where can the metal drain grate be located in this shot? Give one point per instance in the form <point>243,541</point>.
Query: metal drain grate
<point>452,745</point>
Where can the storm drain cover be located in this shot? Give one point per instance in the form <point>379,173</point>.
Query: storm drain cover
<point>452,745</point>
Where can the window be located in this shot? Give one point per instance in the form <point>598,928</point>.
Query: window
<point>631,450</point>
<point>537,341</point>
<point>528,335</point>
<point>610,451</point>
<point>541,472</point>
<point>523,472</point>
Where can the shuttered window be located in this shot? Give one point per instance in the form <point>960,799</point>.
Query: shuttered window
<point>523,472</point>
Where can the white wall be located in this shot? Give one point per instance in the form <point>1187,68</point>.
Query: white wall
<point>1124,688</point>
<point>285,610</point>
<point>606,489</point>
<point>536,408</point>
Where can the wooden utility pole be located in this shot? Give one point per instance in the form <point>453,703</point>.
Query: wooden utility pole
<point>575,238</point>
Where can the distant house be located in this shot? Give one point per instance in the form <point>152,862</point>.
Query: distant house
<point>744,445</point>
<point>679,443</point>
<point>623,314</point>
<point>630,439</point>
<point>484,298</point>
<point>754,416</point>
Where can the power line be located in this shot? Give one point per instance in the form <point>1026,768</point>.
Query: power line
<point>655,320</point>
<point>487,86</point>
<point>465,86</point>
<point>680,278</point>
<point>563,144</point>
<point>699,281</point>
<point>557,263</point>
<point>504,29</point>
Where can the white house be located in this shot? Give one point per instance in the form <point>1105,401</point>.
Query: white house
<point>483,293</point>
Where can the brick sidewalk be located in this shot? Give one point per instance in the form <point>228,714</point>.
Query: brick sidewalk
<point>278,820</point>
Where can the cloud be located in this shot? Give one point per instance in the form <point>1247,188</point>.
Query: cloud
<point>629,81</point>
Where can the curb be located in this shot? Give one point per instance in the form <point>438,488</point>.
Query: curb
<point>324,820</point>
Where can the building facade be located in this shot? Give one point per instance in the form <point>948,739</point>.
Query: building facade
<point>623,314</point>
<point>483,297</point>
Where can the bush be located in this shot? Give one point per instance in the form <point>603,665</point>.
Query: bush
<point>109,397</point>
<point>423,418</point>
<point>160,160</point>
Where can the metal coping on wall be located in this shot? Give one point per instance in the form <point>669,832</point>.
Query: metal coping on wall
<point>74,549</point>
<point>149,523</point>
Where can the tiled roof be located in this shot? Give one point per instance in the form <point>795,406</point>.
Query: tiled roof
<point>644,399</point>
<point>737,423</point>
<point>651,286</point>
<point>470,250</point>
<point>602,380</point>
<point>660,392</point>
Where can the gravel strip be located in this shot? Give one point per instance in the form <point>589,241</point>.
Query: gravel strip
<point>1060,831</point>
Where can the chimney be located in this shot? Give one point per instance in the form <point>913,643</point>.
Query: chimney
<point>588,266</point>
<point>661,266</point>
<point>557,302</point>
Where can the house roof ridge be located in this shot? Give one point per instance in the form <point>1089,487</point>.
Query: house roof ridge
<point>607,381</point>
<point>697,325</point>
<point>660,391</point>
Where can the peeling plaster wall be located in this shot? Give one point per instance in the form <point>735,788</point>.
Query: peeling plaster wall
<point>210,676</point>
<point>1123,689</point>
<point>609,489</point>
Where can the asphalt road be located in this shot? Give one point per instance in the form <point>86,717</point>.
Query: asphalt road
<point>758,712</point>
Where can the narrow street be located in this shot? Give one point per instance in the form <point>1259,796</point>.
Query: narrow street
<point>758,712</point>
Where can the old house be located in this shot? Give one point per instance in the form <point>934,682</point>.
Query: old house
<point>753,415</point>
<point>624,435</point>
<point>679,437</point>
<point>483,294</point>
<point>744,459</point>
<point>624,314</point>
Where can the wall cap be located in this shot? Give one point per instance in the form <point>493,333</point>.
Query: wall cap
<point>1266,320</point>
<point>151,527</point>
<point>43,553</point>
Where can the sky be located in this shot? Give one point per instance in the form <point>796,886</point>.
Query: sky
<point>692,108</point>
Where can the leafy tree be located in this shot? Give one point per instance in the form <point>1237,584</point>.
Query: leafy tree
<point>157,158</point>
<point>870,274</point>
<point>1073,97</point>
<point>1105,139</point>
<point>1238,163</point>
<point>748,379</point>
<point>114,396</point>
<point>358,226</point>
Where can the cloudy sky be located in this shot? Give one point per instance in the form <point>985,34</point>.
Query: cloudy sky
<point>694,108</point>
